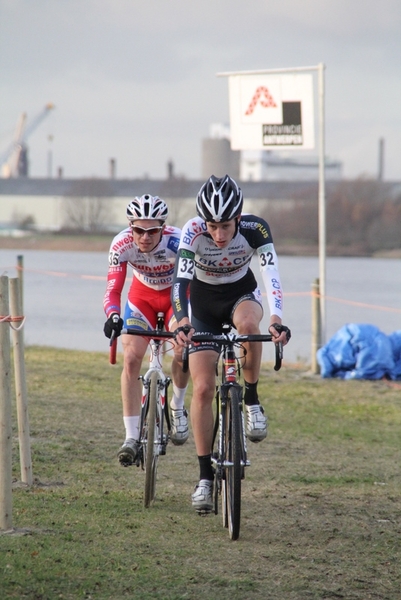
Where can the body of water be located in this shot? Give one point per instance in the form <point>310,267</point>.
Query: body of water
<point>63,295</point>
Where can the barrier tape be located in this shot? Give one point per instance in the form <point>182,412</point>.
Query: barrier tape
<point>11,320</point>
<point>287,294</point>
<point>314,294</point>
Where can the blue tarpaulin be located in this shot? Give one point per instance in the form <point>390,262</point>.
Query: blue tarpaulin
<point>361,351</point>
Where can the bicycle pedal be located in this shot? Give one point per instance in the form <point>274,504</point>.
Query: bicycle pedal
<point>203,512</point>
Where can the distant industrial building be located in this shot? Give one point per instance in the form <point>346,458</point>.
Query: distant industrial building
<point>55,204</point>
<point>259,165</point>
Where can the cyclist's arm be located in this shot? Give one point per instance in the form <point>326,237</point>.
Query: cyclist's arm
<point>268,264</point>
<point>115,284</point>
<point>183,274</point>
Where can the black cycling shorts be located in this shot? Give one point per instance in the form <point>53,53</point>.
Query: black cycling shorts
<point>214,305</point>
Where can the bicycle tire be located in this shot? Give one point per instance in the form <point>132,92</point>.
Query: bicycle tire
<point>224,506</point>
<point>220,470</point>
<point>233,474</point>
<point>151,455</point>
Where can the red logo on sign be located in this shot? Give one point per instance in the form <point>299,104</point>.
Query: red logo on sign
<point>263,96</point>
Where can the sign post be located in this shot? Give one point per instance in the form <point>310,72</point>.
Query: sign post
<point>273,109</point>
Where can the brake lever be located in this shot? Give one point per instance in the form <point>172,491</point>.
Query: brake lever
<point>279,356</point>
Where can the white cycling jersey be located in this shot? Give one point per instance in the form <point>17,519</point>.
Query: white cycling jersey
<point>198,256</point>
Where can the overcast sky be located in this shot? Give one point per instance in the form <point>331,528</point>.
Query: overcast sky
<point>135,80</point>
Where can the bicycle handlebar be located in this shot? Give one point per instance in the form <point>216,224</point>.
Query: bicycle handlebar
<point>113,348</point>
<point>157,334</point>
<point>154,334</point>
<point>222,339</point>
<point>209,337</point>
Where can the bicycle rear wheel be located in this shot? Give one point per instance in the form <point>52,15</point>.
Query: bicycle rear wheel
<point>151,454</point>
<point>233,473</point>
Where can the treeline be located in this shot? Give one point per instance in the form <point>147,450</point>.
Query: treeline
<point>362,217</point>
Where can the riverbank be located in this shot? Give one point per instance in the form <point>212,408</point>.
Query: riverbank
<point>101,243</point>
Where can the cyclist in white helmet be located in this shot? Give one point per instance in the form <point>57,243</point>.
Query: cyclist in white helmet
<point>150,248</point>
<point>214,258</point>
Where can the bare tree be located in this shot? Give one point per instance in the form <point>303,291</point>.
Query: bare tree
<point>88,206</point>
<point>363,215</point>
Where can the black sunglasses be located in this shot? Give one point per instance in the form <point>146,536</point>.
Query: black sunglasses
<point>141,231</point>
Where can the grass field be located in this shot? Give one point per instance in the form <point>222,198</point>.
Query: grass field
<point>321,500</point>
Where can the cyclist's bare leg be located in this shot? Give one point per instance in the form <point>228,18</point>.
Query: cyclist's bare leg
<point>203,371</point>
<point>180,378</point>
<point>246,318</point>
<point>134,351</point>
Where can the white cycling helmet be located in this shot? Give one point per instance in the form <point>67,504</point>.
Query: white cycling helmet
<point>147,207</point>
<point>219,199</point>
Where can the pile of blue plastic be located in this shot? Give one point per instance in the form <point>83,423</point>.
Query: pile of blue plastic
<point>359,351</point>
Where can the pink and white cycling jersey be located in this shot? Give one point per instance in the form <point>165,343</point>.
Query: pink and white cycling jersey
<point>153,269</point>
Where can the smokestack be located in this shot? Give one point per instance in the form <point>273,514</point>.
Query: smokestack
<point>380,175</point>
<point>112,168</point>
<point>170,170</point>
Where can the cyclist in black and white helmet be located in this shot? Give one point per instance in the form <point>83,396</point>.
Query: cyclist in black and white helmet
<point>219,200</point>
<point>214,260</point>
<point>150,248</point>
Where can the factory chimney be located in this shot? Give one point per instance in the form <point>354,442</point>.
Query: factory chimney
<point>112,168</point>
<point>380,175</point>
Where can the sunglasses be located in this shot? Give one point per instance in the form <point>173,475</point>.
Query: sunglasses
<point>151,231</point>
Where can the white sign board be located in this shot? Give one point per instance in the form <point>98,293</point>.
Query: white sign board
<point>271,112</point>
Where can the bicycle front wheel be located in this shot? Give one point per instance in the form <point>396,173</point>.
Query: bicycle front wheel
<point>233,473</point>
<point>151,454</point>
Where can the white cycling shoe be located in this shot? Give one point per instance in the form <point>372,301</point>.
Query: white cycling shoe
<point>202,498</point>
<point>128,453</point>
<point>179,426</point>
<point>256,423</point>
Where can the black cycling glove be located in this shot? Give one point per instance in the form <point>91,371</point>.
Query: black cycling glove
<point>280,328</point>
<point>113,323</point>
<point>185,328</point>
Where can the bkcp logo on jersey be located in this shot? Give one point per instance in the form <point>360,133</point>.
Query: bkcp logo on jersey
<point>193,231</point>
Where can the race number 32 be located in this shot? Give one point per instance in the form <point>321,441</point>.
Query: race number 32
<point>185,268</point>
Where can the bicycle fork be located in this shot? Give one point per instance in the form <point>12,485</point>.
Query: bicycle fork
<point>220,459</point>
<point>162,382</point>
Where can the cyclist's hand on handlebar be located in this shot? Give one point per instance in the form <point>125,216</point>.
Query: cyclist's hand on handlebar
<point>183,333</point>
<point>281,333</point>
<point>113,323</point>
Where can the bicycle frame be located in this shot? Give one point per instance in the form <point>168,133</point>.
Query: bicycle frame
<point>154,414</point>
<point>230,457</point>
<point>155,368</point>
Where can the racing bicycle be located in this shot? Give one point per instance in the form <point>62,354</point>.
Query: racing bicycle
<point>154,420</point>
<point>230,456</point>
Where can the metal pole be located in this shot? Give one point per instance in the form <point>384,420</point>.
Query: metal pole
<point>316,322</point>
<point>20,386</point>
<point>322,206</point>
<point>5,412</point>
<point>262,71</point>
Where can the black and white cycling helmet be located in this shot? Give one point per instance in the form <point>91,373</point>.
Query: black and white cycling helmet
<point>147,207</point>
<point>219,199</point>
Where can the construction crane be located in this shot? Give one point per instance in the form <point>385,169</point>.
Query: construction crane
<point>14,161</point>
